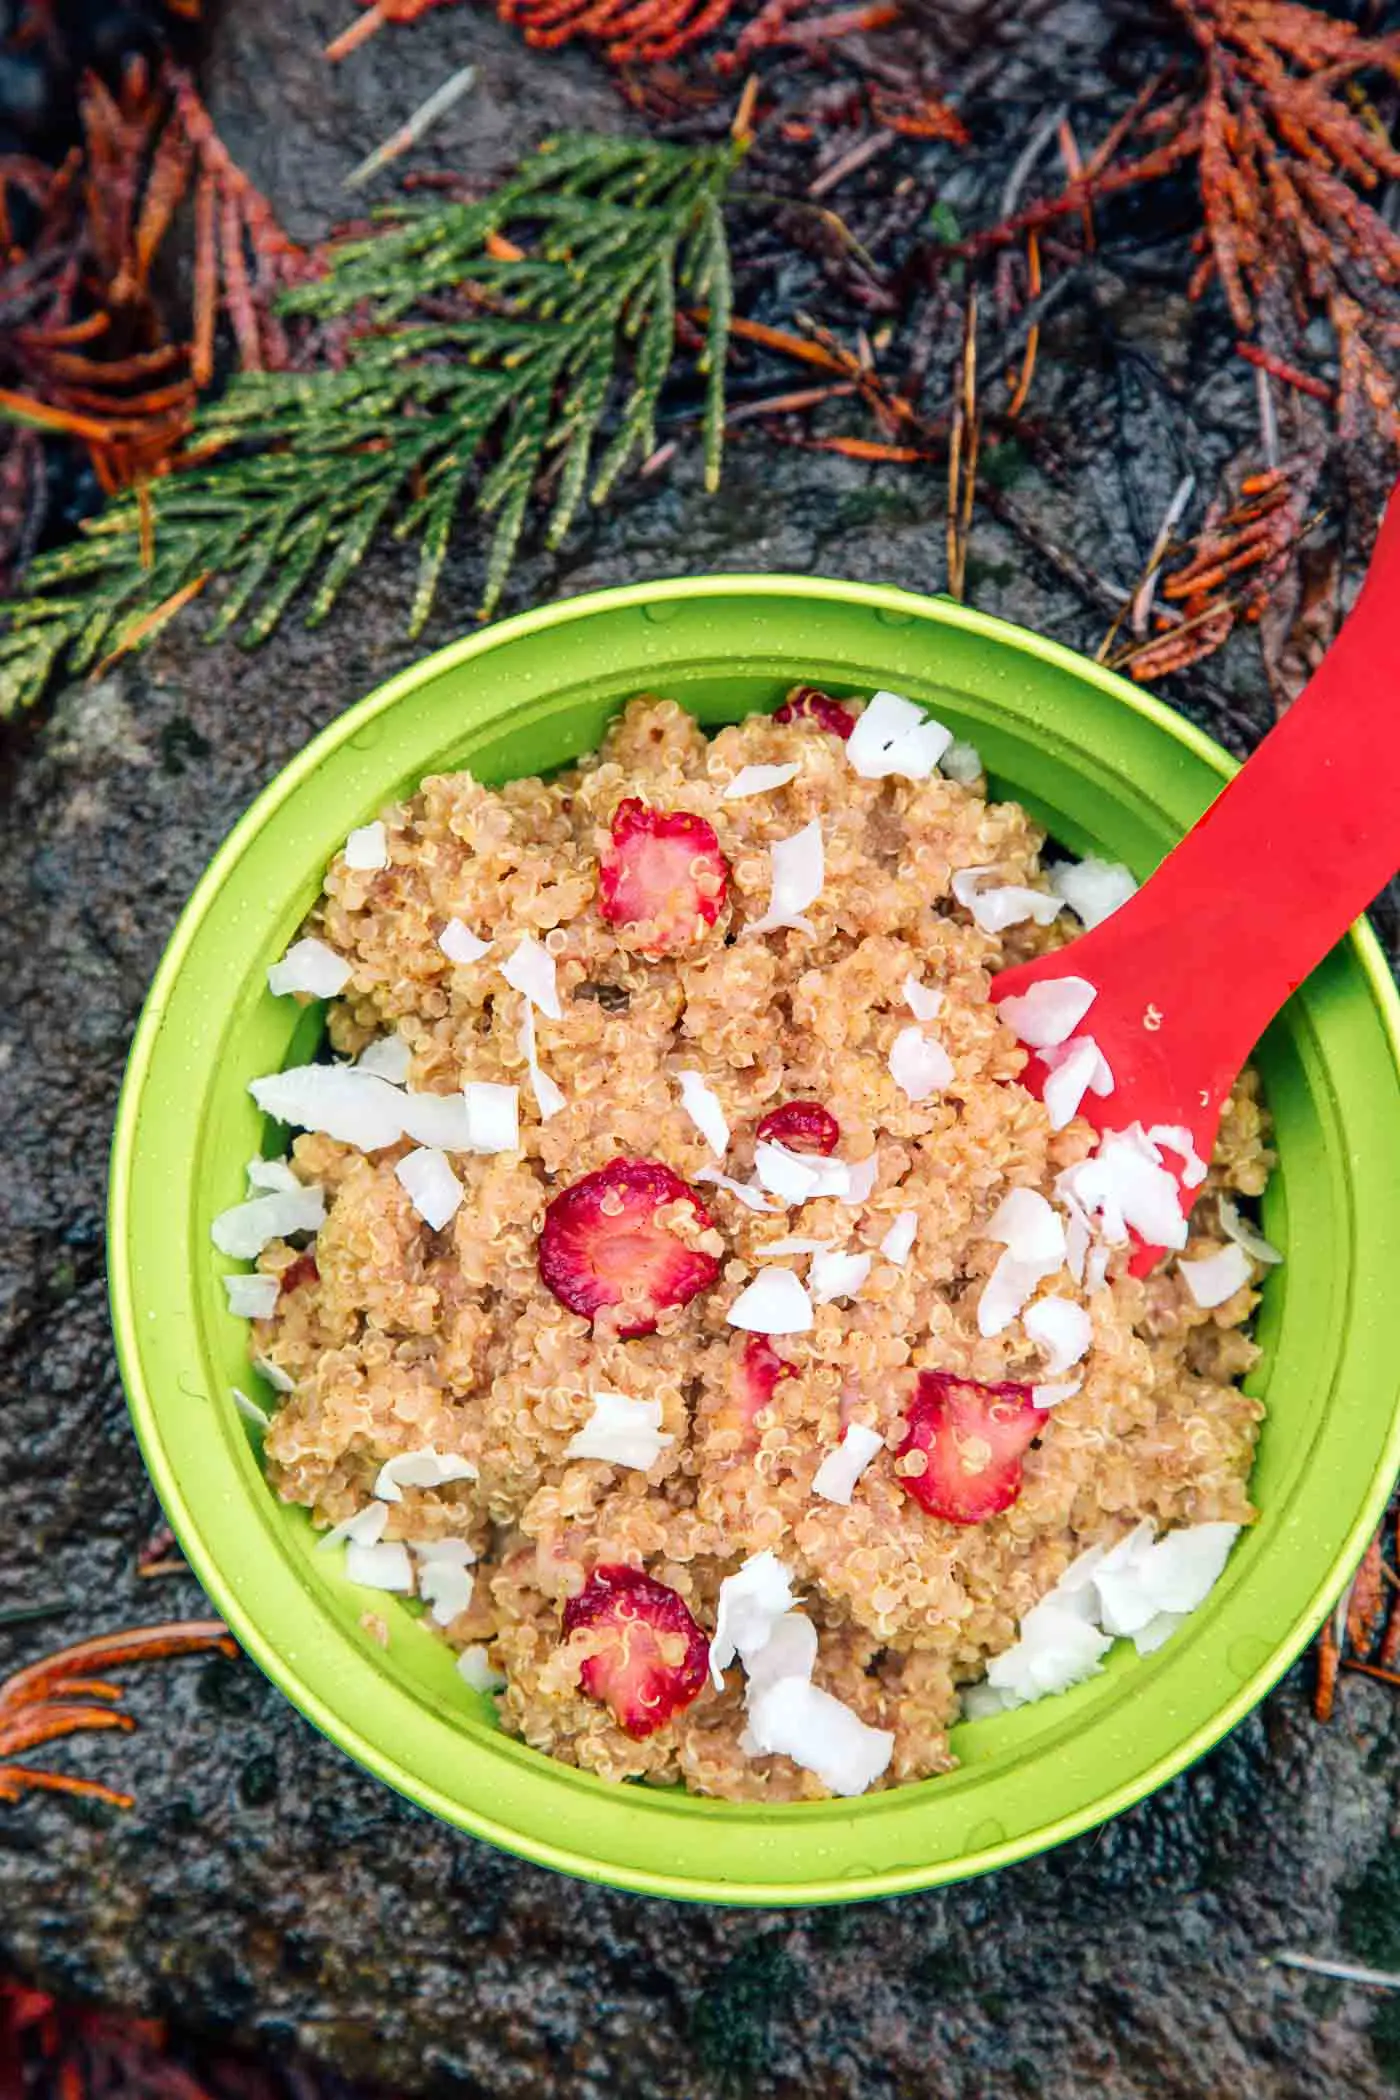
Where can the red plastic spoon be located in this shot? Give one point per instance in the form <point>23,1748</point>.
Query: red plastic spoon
<point>1191,969</point>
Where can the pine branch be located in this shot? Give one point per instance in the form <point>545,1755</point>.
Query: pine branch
<point>486,367</point>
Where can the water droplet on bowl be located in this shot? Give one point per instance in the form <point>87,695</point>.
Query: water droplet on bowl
<point>661,610</point>
<point>893,616</point>
<point>985,1834</point>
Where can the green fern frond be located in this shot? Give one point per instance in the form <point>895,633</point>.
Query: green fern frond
<point>560,292</point>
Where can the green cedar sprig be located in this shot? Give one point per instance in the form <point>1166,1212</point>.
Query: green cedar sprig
<point>543,378</point>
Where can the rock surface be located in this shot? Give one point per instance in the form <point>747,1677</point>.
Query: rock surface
<point>263,1886</point>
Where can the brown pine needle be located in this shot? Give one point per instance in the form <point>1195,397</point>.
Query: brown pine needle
<point>151,622</point>
<point>742,128</point>
<point>148,524</point>
<point>781,340</point>
<point>1023,385</point>
<point>962,456</point>
<point>358,32</point>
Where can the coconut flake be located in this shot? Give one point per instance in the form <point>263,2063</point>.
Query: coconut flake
<point>445,1581</point>
<point>861,1177</point>
<point>365,1528</point>
<point>898,1243</point>
<point>1238,1228</point>
<point>919,1064</point>
<point>252,1297</point>
<point>1093,889</point>
<point>549,1098</point>
<point>439,1121</point>
<point>475,1667</point>
<point>1049,1012</point>
<point>427,1468</point>
<point>752,1198</point>
<point>382,1567</point>
<point>701,1104</point>
<point>460,945</point>
<point>1062,1329</point>
<point>1057,1648</point>
<point>836,1476</point>
<point>1007,1292</point>
<point>530,969</point>
<point>389,1058</point>
<point>1096,1270</point>
<point>1051,1394</point>
<point>433,1189</point>
<point>795,1718</point>
<point>924,1001</point>
<point>273,1174</point>
<point>1138,1578</point>
<point>1215,1277</point>
<point>963,763</point>
<point>1124,1184</point>
<point>893,736</point>
<point>1026,1223</point>
<point>353,1107</point>
<point>274,1374</point>
<point>786,1175</point>
<point>249,1409</point>
<point>621,1432</point>
<point>310,966</point>
<point>799,870</point>
<point>796,1246</point>
<point>759,780</point>
<point>1177,1138</point>
<point>493,1116</point>
<point>367,848</point>
<point>834,1275</point>
<point>1077,1067</point>
<point>1078,1237</point>
<point>750,1604</point>
<point>776,1302</point>
<point>246,1229</point>
<point>789,1651</point>
<point>1003,904</point>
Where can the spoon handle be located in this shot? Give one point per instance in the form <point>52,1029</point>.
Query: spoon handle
<point>1192,968</point>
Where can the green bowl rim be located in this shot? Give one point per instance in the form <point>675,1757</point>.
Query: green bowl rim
<point>904,604</point>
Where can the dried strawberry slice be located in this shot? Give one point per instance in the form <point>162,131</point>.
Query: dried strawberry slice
<point>601,1244</point>
<point>655,1658</point>
<point>758,1374</point>
<point>973,1437</point>
<point>803,1126</point>
<point>805,704</point>
<point>663,873</point>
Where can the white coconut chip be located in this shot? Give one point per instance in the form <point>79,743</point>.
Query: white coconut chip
<point>432,1187</point>
<point>309,966</point>
<point>367,848</point>
<point>789,1651</point>
<point>428,1468</point>
<point>365,1528</point>
<point>750,1604</point>
<point>759,780</point>
<point>1096,1270</point>
<point>963,763</point>
<point>249,1409</point>
<point>274,1374</point>
<point>790,1176</point>
<point>1124,1184</point>
<point>252,1297</point>
<point>1238,1228</point>
<point>1007,1292</point>
<point>549,1098</point>
<point>799,870</point>
<point>1177,1138</point>
<point>1062,1329</point>
<point>919,1064</point>
<point>353,1107</point>
<point>752,1198</point>
<point>795,1718</point>
<point>273,1175</point>
<point>1002,904</point>
<point>1057,1648</point>
<point>445,1581</point>
<point>389,1058</point>
<point>440,1121</point>
<point>893,736</point>
<point>836,1476</point>
<point>246,1229</point>
<point>493,1116</point>
<point>1139,1578</point>
<point>530,969</point>
<point>1051,1394</point>
<point>1028,1225</point>
<point>460,945</point>
<point>1078,1239</point>
<point>475,1667</point>
<point>621,1432</point>
<point>382,1567</point>
<point>925,1001</point>
<point>796,1246</point>
<point>1093,889</point>
<point>1076,1068</point>
<point>898,1243</point>
<point>702,1104</point>
<point>835,1275</point>
<point>861,1177</point>
<point>1214,1278</point>
<point>776,1302</point>
<point>1049,1012</point>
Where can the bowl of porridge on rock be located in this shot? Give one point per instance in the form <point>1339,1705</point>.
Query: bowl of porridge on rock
<point>616,1335</point>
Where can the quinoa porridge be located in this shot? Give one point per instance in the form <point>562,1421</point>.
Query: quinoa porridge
<point>680,1293</point>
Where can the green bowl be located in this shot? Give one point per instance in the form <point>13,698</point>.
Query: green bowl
<point>1103,766</point>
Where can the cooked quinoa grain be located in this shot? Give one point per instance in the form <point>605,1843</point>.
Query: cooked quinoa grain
<point>398,1337</point>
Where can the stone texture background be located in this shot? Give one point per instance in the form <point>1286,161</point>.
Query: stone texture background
<point>265,1889</point>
